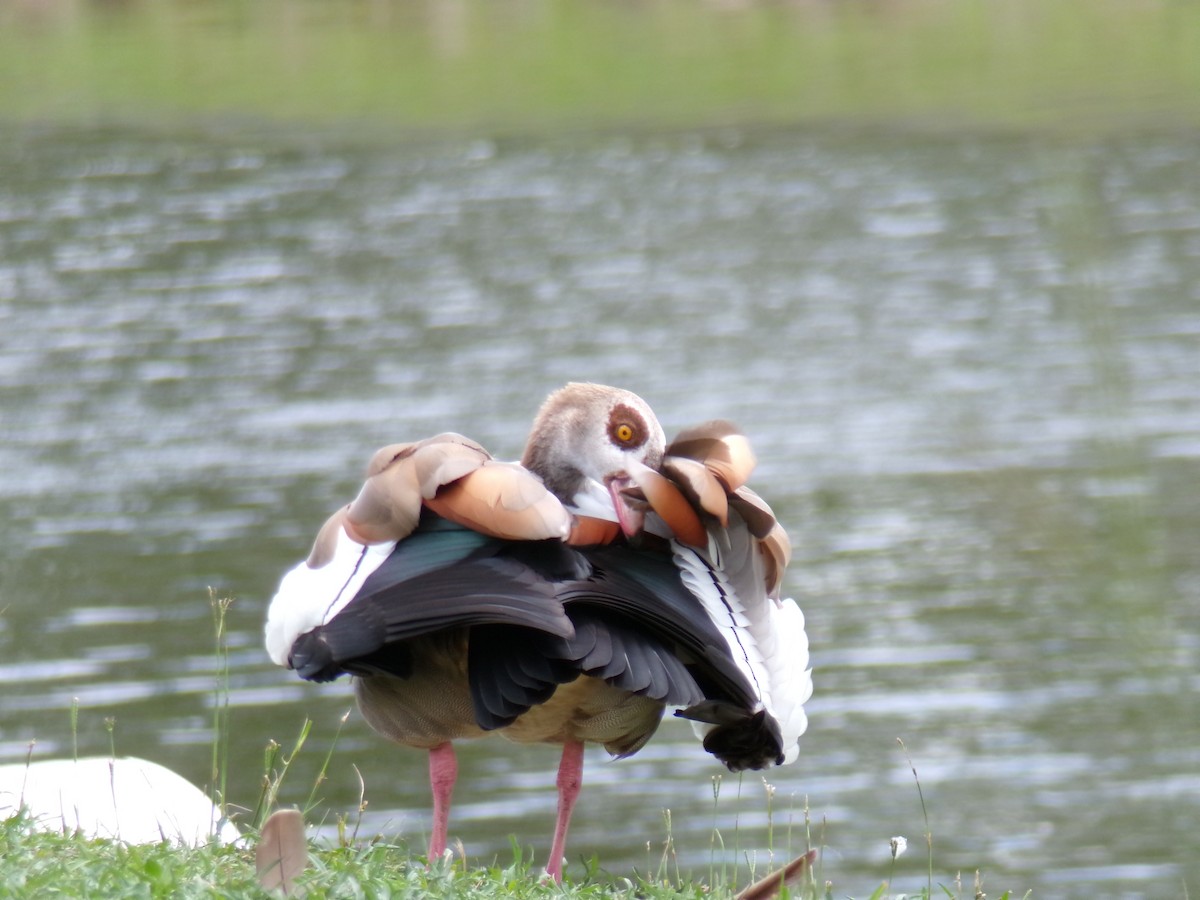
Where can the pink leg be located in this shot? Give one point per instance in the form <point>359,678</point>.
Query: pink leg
<point>443,771</point>
<point>570,780</point>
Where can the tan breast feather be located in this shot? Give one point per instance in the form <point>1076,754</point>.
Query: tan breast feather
<point>457,479</point>
<point>708,466</point>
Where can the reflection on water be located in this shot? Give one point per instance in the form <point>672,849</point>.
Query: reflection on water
<point>970,368</point>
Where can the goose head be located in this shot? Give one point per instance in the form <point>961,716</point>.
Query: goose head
<point>586,445</point>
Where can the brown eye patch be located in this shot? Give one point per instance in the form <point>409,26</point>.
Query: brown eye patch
<point>626,427</point>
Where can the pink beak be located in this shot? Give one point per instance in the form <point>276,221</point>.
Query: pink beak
<point>631,513</point>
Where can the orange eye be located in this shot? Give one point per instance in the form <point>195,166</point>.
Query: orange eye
<point>624,433</point>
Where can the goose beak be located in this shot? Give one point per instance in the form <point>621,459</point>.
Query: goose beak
<point>629,503</point>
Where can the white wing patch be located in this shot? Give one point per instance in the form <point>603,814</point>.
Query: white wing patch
<point>793,675</point>
<point>725,609</point>
<point>766,637</point>
<point>310,597</point>
<point>593,501</point>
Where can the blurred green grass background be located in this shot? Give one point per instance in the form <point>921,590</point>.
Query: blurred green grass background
<point>522,65</point>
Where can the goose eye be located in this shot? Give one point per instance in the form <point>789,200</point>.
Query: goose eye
<point>626,429</point>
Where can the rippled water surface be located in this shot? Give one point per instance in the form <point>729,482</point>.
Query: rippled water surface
<point>970,366</point>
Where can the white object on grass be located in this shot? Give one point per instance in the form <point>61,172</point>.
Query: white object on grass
<point>126,799</point>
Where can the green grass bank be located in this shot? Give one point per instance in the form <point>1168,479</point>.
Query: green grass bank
<point>536,65</point>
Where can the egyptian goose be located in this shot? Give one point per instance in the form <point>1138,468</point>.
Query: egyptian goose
<point>569,598</point>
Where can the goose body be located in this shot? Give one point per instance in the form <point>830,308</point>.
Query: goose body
<point>567,599</point>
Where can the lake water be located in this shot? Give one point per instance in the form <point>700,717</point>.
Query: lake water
<point>969,363</point>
